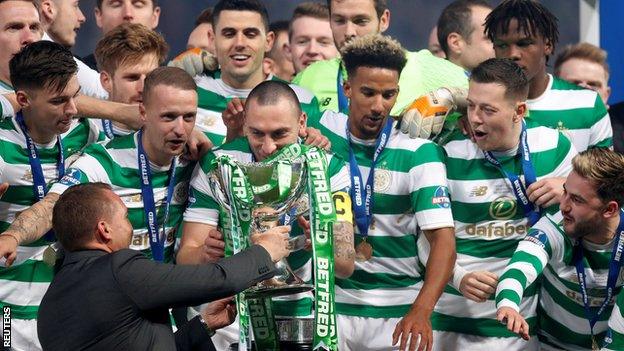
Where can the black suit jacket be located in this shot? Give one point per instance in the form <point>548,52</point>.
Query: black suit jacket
<point>120,301</point>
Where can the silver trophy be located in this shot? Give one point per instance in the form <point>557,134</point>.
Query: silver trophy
<point>278,192</point>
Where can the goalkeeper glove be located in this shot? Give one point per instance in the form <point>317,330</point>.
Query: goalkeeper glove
<point>425,117</point>
<point>195,61</point>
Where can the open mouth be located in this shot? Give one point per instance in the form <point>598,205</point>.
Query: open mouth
<point>177,142</point>
<point>479,134</point>
<point>240,58</point>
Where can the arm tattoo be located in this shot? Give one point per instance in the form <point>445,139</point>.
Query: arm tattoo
<point>33,223</point>
<point>343,240</point>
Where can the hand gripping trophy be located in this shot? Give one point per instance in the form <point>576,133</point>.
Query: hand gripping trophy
<point>259,195</point>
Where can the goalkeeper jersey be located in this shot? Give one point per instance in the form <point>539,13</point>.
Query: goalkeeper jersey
<point>423,72</point>
<point>214,94</point>
<point>203,208</point>
<point>410,191</point>
<point>548,252</point>
<point>23,284</point>
<point>489,222</point>
<point>577,112</point>
<point>116,163</point>
<point>614,338</point>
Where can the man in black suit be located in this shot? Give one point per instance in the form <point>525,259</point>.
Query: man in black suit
<point>107,297</point>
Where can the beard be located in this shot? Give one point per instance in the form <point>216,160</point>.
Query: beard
<point>585,227</point>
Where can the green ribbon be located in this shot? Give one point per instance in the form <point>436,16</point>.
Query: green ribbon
<point>263,324</point>
<point>322,217</point>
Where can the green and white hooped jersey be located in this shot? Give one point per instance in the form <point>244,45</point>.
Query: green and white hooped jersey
<point>203,208</point>
<point>548,251</point>
<point>23,284</point>
<point>489,222</point>
<point>6,109</point>
<point>214,94</point>
<point>577,112</point>
<point>614,340</point>
<point>422,73</point>
<point>410,192</point>
<point>116,163</point>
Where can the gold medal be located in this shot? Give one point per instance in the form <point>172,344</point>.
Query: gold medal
<point>49,256</point>
<point>594,343</point>
<point>363,251</point>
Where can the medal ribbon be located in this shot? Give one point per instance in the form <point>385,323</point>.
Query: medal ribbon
<point>363,205</point>
<point>343,102</point>
<point>107,125</point>
<point>157,240</point>
<point>614,271</point>
<point>39,184</point>
<point>322,216</point>
<point>531,211</point>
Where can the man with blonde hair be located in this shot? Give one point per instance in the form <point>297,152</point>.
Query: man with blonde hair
<point>578,254</point>
<point>125,56</point>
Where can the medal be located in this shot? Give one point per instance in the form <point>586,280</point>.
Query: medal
<point>50,255</point>
<point>595,344</point>
<point>363,251</point>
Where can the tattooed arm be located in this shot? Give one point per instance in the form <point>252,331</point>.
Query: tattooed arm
<point>344,251</point>
<point>29,226</point>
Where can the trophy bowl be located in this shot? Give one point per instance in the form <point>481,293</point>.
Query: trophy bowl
<point>277,194</point>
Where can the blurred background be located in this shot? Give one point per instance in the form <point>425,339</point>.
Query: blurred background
<point>411,21</point>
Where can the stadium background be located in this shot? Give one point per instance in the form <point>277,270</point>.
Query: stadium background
<point>411,22</point>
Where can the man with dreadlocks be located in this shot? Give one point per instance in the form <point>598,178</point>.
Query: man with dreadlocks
<point>526,32</point>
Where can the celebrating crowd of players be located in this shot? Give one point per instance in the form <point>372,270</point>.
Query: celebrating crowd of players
<point>504,230</point>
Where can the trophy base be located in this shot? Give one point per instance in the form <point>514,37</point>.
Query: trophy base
<point>261,290</point>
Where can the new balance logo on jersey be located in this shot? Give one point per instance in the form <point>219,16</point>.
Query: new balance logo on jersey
<point>479,190</point>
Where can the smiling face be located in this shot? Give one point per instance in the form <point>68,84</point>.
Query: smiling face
<point>311,40</point>
<point>494,119</point>
<point>116,12</point>
<point>355,18</point>
<point>372,92</point>
<point>67,22</point>
<point>240,43</point>
<point>19,26</point>
<point>48,112</point>
<point>126,84</point>
<point>270,127</point>
<point>528,51</point>
<point>581,207</point>
<point>169,114</point>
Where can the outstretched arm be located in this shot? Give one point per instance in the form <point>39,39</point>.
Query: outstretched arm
<point>29,226</point>
<point>438,272</point>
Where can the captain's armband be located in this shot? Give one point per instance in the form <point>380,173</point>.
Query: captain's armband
<point>342,202</point>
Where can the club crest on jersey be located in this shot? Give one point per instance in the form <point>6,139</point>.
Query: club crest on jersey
<point>181,192</point>
<point>383,177</point>
<point>537,237</point>
<point>441,197</point>
<point>72,177</point>
<point>503,207</point>
<point>206,120</point>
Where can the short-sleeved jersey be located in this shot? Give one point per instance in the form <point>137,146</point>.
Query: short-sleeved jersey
<point>214,94</point>
<point>489,222</point>
<point>410,191</point>
<point>203,208</point>
<point>422,73</point>
<point>579,113</point>
<point>23,284</point>
<point>548,252</point>
<point>116,163</point>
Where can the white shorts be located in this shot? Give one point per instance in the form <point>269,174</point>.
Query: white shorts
<point>449,341</point>
<point>362,333</point>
